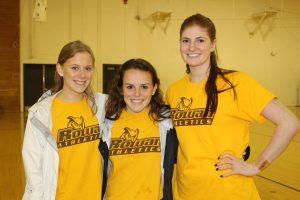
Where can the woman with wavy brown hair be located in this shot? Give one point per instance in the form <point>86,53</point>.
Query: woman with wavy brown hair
<point>140,135</point>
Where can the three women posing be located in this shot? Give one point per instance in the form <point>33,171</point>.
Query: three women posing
<point>211,110</point>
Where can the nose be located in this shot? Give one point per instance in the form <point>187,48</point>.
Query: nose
<point>137,92</point>
<point>192,46</point>
<point>82,73</point>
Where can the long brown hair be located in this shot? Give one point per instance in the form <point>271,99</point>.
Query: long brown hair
<point>67,52</point>
<point>115,103</point>
<point>214,71</point>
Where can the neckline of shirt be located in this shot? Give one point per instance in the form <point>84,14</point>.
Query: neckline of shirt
<point>70,103</point>
<point>143,114</point>
<point>195,84</point>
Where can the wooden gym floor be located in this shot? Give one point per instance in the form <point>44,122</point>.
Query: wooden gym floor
<point>281,181</point>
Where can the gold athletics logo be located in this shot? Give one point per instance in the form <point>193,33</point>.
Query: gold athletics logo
<point>128,143</point>
<point>76,133</point>
<point>182,115</point>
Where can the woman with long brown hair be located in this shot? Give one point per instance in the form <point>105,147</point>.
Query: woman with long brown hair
<point>140,137</point>
<point>211,111</point>
<point>60,154</point>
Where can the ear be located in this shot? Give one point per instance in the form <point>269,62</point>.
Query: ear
<point>213,45</point>
<point>154,89</point>
<point>59,69</point>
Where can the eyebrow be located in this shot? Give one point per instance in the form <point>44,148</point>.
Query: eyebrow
<point>184,38</point>
<point>80,65</point>
<point>199,37</point>
<point>133,84</point>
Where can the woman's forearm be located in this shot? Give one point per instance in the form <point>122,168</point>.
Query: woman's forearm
<point>287,126</point>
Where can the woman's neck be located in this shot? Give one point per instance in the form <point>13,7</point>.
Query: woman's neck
<point>199,73</point>
<point>68,97</point>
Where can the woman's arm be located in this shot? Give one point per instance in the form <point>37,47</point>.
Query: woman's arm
<point>170,159</point>
<point>32,160</point>
<point>286,127</point>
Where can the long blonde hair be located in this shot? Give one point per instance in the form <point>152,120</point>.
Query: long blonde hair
<point>67,52</point>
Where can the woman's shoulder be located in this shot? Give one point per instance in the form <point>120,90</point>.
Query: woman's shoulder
<point>179,83</point>
<point>100,95</point>
<point>42,104</point>
<point>166,123</point>
<point>100,98</point>
<point>236,76</point>
<point>41,109</point>
<point>165,111</point>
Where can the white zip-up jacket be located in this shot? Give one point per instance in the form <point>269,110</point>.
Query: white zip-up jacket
<point>40,153</point>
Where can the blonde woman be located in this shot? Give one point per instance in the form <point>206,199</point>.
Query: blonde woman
<point>60,153</point>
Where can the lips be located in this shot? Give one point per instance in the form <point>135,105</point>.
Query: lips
<point>80,82</point>
<point>136,100</point>
<point>194,55</point>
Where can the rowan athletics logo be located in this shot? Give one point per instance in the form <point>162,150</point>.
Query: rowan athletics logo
<point>76,132</point>
<point>183,115</point>
<point>128,143</point>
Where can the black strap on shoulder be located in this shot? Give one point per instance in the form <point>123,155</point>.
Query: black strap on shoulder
<point>170,158</point>
<point>103,148</point>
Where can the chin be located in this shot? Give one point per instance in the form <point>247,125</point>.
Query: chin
<point>193,64</point>
<point>79,91</point>
<point>136,110</point>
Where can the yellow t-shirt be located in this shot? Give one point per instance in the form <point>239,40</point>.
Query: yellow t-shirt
<point>135,156</point>
<point>76,131</point>
<point>202,140</point>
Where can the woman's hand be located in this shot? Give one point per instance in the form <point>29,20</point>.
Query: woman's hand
<point>236,165</point>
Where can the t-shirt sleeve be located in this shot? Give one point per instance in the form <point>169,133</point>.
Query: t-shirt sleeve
<point>252,98</point>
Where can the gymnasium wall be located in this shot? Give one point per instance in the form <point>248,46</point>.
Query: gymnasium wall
<point>116,34</point>
<point>9,56</point>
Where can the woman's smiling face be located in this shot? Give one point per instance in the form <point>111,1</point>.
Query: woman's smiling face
<point>196,46</point>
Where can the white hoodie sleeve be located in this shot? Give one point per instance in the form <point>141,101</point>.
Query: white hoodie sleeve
<point>32,154</point>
